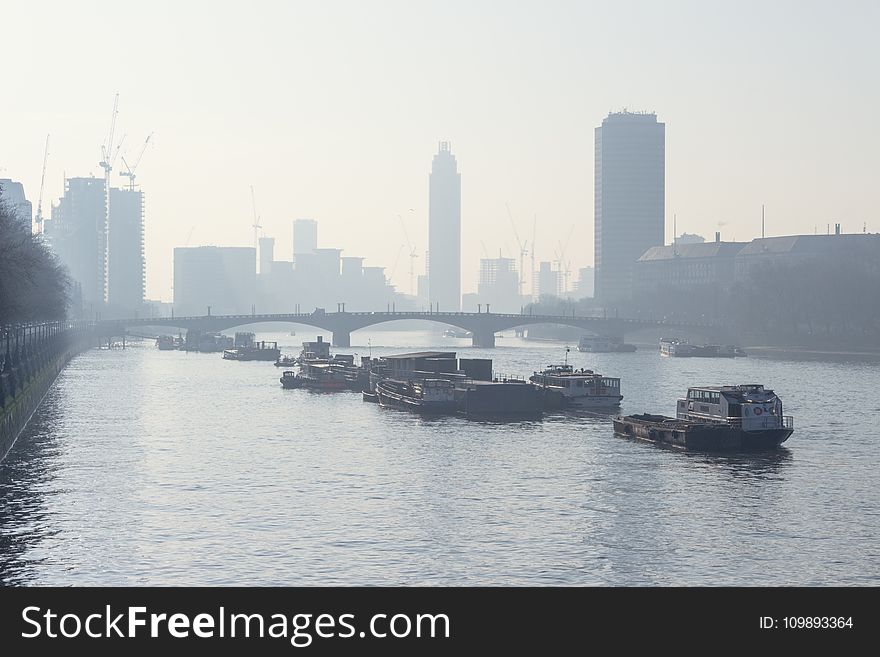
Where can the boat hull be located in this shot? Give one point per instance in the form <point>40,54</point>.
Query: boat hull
<point>392,398</point>
<point>696,436</point>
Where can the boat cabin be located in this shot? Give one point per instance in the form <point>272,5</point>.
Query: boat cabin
<point>750,405</point>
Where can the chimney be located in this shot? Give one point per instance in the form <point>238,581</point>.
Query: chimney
<point>717,236</point>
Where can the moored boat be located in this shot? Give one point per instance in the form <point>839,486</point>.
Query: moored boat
<point>289,379</point>
<point>716,418</point>
<point>322,375</point>
<point>428,396</point>
<point>566,387</point>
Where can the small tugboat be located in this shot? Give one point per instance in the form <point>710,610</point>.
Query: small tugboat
<point>286,361</point>
<point>429,396</point>
<point>565,387</point>
<point>716,418</point>
<point>290,380</point>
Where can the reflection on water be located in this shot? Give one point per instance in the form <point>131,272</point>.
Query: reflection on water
<point>148,467</point>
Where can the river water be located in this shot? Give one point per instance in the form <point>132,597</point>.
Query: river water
<point>144,467</point>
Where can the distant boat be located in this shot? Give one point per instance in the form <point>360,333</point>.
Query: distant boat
<point>683,349</point>
<point>595,344</point>
<point>456,333</point>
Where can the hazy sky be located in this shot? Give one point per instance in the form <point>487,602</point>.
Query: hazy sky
<point>333,110</point>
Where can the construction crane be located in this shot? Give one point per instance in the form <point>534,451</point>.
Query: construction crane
<point>256,225</point>
<point>396,260</point>
<point>562,262</point>
<point>523,252</point>
<point>534,286</point>
<point>130,171</point>
<point>39,217</point>
<point>108,157</point>
<point>412,257</point>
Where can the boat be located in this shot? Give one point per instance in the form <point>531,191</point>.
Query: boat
<point>683,349</point>
<point>565,387</point>
<point>716,418</point>
<point>456,333</point>
<point>595,344</point>
<point>318,350</point>
<point>286,361</point>
<point>428,396</point>
<point>167,343</point>
<point>290,380</point>
<point>676,347</point>
<point>370,396</point>
<point>207,342</point>
<point>267,351</point>
<point>322,375</point>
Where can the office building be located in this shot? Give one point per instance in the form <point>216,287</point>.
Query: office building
<point>77,233</point>
<point>267,254</point>
<point>498,285</point>
<point>444,232</point>
<point>629,198</point>
<point>126,267</point>
<point>549,280</point>
<point>223,278</point>
<point>305,236</point>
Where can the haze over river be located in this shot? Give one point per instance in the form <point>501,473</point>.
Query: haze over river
<point>144,467</point>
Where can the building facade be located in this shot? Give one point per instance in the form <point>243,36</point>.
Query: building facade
<point>222,278</point>
<point>498,285</point>
<point>444,232</point>
<point>12,194</point>
<point>549,280</point>
<point>126,266</point>
<point>629,198</point>
<point>305,236</point>
<point>77,233</point>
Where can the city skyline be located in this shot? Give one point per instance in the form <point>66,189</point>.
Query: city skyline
<point>748,119</point>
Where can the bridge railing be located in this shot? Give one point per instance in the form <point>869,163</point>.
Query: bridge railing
<point>313,318</point>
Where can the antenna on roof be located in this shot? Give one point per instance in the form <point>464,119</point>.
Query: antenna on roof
<point>762,221</point>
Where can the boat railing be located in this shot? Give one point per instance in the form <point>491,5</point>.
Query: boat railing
<point>502,377</point>
<point>785,422</point>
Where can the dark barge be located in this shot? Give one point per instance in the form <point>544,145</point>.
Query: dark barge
<point>718,418</point>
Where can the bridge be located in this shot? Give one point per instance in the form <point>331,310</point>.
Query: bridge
<point>482,325</point>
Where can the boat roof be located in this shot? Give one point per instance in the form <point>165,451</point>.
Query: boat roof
<point>742,387</point>
<point>422,354</point>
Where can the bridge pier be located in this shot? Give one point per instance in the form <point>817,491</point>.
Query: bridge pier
<point>483,338</point>
<point>341,338</point>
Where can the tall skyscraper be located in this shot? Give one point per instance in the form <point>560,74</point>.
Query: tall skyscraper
<point>444,232</point>
<point>629,198</point>
<point>305,236</point>
<point>126,269</point>
<point>77,232</point>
